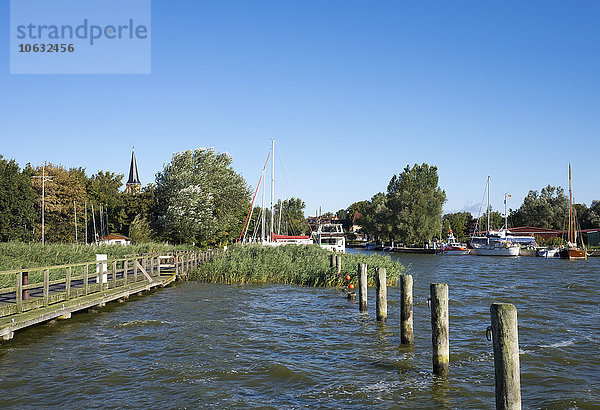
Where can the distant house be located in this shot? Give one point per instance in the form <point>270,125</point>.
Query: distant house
<point>115,239</point>
<point>535,232</point>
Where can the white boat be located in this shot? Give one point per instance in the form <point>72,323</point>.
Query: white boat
<point>499,248</point>
<point>495,243</point>
<point>453,247</point>
<point>330,236</point>
<point>548,253</point>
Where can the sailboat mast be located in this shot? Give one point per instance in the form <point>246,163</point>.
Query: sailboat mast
<point>505,213</point>
<point>264,215</point>
<point>570,207</point>
<point>272,184</point>
<point>488,205</point>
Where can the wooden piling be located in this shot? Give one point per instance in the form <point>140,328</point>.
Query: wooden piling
<point>338,264</point>
<point>406,310</point>
<point>381,301</point>
<point>440,328</point>
<point>362,287</point>
<point>506,355</point>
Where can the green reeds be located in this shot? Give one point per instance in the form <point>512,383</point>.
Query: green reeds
<point>18,255</point>
<point>289,264</point>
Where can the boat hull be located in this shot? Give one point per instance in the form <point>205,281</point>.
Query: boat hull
<point>548,253</point>
<point>572,253</point>
<point>501,251</point>
<point>452,252</point>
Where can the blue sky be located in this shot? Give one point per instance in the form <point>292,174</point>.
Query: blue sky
<point>352,91</point>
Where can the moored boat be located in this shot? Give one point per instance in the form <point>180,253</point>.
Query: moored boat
<point>453,247</point>
<point>495,243</point>
<point>498,248</point>
<point>571,250</point>
<point>330,236</point>
<point>548,253</point>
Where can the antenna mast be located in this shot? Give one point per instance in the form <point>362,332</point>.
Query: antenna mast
<point>44,178</point>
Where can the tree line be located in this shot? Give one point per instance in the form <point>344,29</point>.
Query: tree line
<point>197,198</point>
<point>410,211</point>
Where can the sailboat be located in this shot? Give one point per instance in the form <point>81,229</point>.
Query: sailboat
<point>571,250</point>
<point>495,243</point>
<point>270,239</point>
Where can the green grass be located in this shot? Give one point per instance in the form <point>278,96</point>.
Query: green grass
<point>290,264</point>
<point>17,255</point>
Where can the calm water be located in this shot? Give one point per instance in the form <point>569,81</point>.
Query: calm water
<point>195,345</point>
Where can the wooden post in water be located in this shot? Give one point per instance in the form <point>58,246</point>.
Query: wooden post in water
<point>440,328</point>
<point>362,287</point>
<point>506,355</point>
<point>406,310</point>
<point>381,301</point>
<point>151,266</point>
<point>338,264</point>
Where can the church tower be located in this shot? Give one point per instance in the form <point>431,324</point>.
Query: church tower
<point>134,186</point>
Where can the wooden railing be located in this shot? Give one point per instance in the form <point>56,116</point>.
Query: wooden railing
<point>29,288</point>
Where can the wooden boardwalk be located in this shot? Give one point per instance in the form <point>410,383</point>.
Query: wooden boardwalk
<point>35,295</point>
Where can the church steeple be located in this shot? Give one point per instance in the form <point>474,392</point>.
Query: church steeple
<point>134,185</point>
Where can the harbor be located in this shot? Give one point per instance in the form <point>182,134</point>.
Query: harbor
<point>196,344</point>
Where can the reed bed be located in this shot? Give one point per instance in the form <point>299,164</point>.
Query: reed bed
<point>18,255</point>
<point>290,264</point>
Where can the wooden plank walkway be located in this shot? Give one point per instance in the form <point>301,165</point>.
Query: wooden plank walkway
<point>40,294</point>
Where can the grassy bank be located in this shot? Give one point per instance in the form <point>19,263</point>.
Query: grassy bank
<point>17,255</point>
<point>300,265</point>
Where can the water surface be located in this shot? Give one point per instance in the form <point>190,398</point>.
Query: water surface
<point>196,344</point>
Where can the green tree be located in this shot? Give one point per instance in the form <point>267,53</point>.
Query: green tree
<point>132,205</point>
<point>376,218</point>
<point>592,216</point>
<point>547,209</point>
<point>60,192</point>
<point>17,203</point>
<point>292,217</point>
<point>415,201</point>
<point>459,223</point>
<point>496,221</point>
<point>139,230</point>
<point>104,188</point>
<point>200,198</point>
